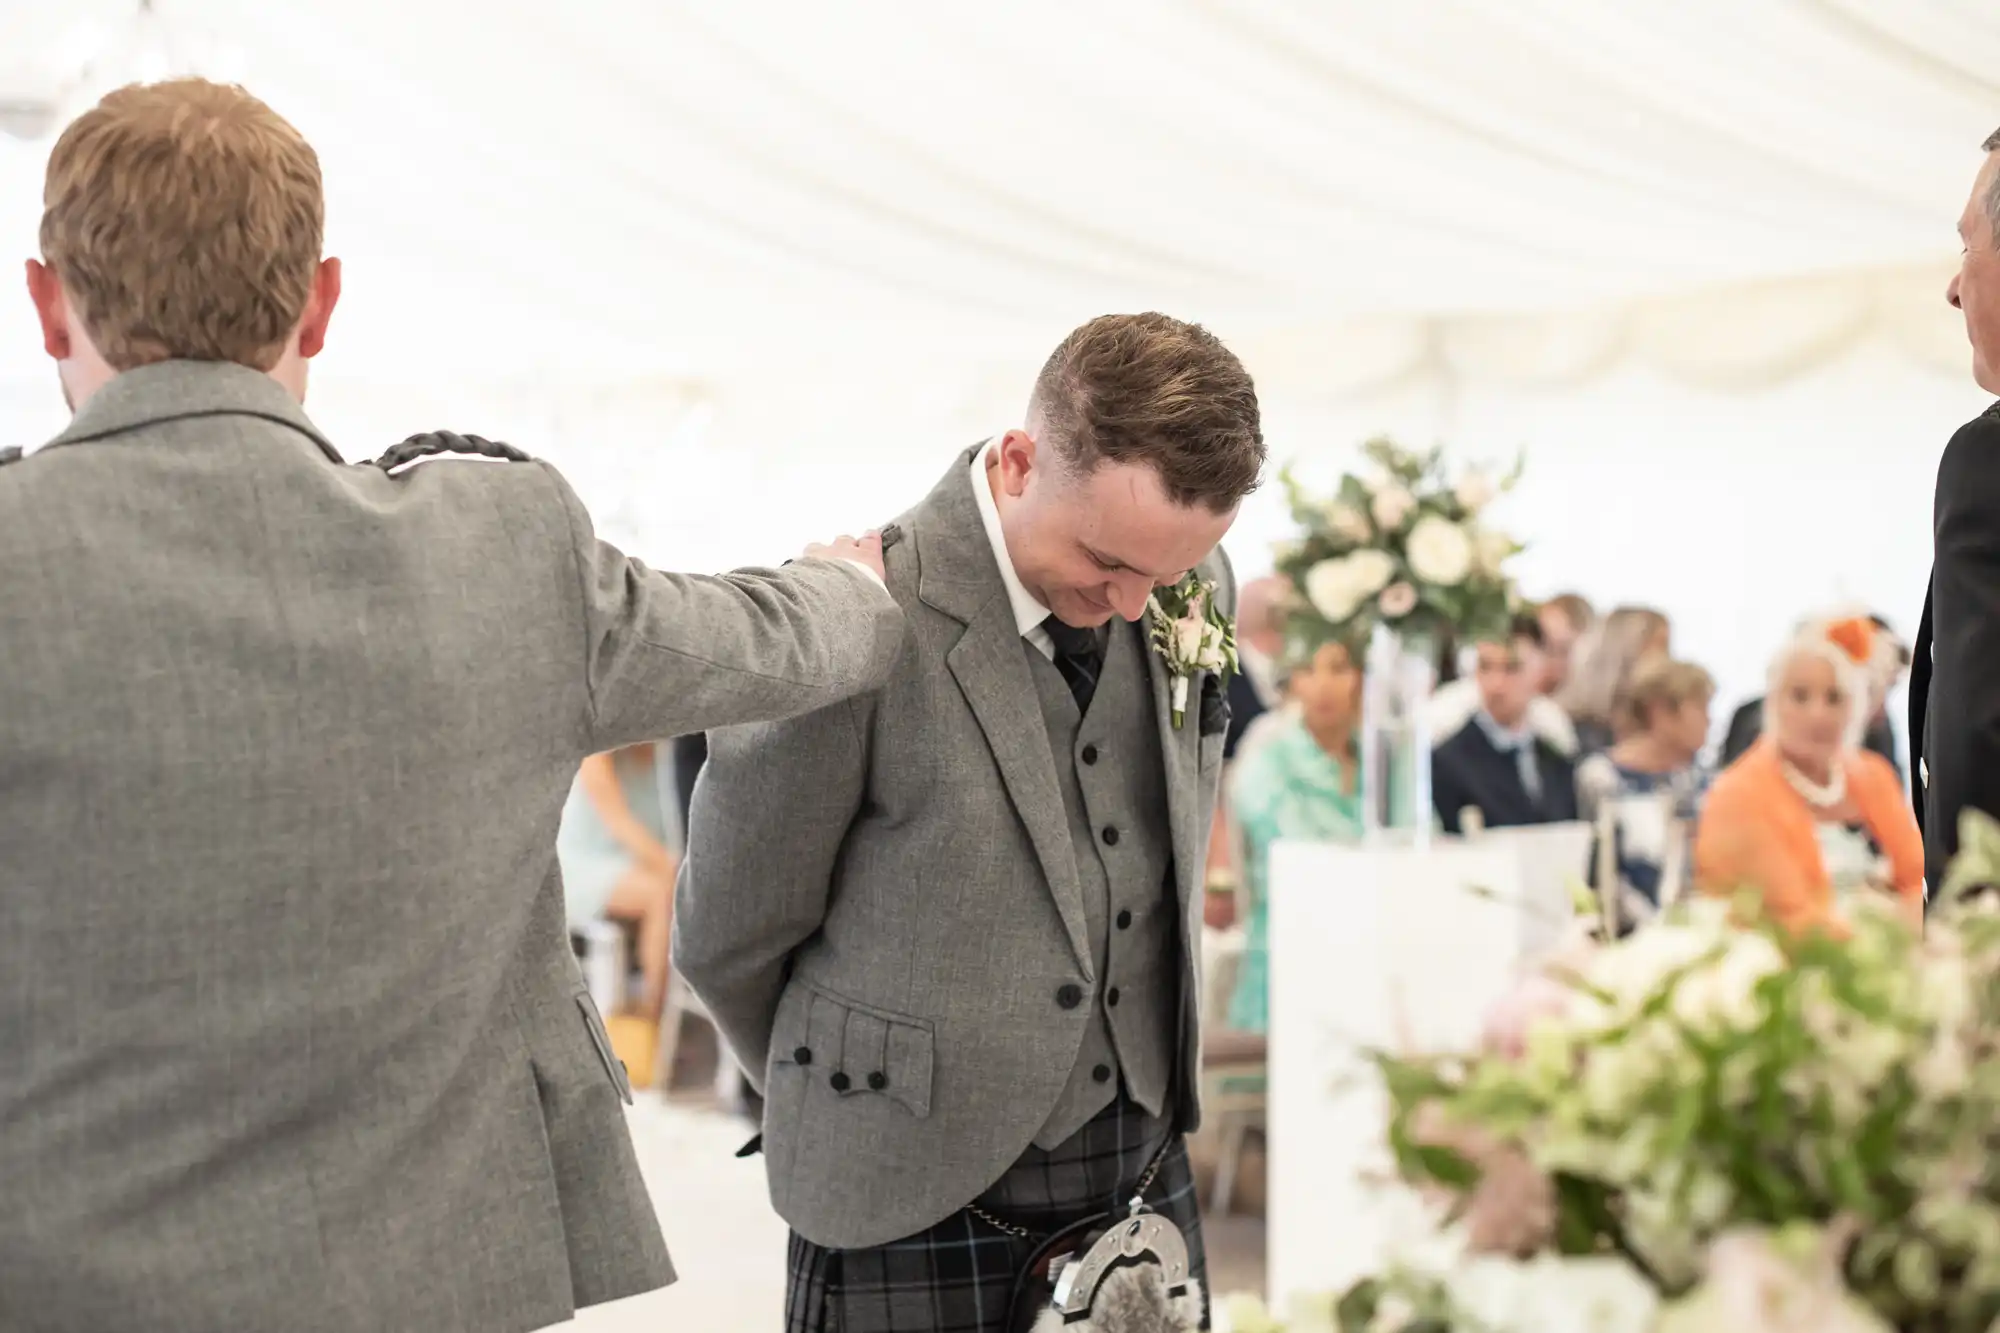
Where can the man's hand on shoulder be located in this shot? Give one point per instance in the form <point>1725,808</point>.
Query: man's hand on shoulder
<point>865,552</point>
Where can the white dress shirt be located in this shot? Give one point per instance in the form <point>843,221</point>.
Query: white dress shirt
<point>1028,612</point>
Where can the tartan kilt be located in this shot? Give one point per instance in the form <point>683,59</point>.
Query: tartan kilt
<point>958,1276</point>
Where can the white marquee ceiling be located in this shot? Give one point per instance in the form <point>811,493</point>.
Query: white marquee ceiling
<point>617,187</point>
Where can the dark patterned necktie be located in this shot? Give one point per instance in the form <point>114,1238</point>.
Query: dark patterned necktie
<point>1079,656</point>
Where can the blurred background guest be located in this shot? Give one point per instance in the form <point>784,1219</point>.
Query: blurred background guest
<point>1888,663</point>
<point>1304,784</point>
<point>1496,763</point>
<point>1606,658</point>
<point>617,859</point>
<point>1564,619</point>
<point>1260,640</point>
<point>1650,776</point>
<point>1807,816</point>
<point>1256,694</point>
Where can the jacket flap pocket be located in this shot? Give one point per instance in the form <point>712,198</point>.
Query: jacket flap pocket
<point>862,1051</point>
<point>614,1068</point>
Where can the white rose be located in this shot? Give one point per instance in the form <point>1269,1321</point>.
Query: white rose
<point>1187,638</point>
<point>1212,657</point>
<point>1372,570</point>
<point>1587,1294</point>
<point>1332,589</point>
<point>1491,551</point>
<point>1347,522</point>
<point>1439,551</point>
<point>1475,490</point>
<point>1391,507</point>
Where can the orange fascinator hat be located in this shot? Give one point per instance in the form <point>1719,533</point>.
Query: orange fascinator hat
<point>1855,637</point>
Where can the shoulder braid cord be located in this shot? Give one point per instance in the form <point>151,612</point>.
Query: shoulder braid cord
<point>445,442</point>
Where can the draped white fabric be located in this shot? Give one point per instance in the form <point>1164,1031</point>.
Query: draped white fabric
<point>745,270</point>
<point>629,187</point>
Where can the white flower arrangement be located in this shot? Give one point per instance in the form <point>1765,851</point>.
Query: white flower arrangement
<point>1715,1126</point>
<point>1401,543</point>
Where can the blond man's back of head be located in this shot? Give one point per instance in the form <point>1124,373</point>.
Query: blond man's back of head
<point>185,220</point>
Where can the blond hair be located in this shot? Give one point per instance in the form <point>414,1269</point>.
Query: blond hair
<point>185,221</point>
<point>1156,390</point>
<point>1660,682</point>
<point>1610,652</point>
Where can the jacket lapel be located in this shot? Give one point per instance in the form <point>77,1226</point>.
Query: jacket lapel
<point>960,577</point>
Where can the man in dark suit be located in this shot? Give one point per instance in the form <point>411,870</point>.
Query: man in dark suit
<point>1496,763</point>
<point>1954,688</point>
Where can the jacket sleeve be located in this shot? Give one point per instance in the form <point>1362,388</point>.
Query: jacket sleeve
<point>668,654</point>
<point>1964,761</point>
<point>771,814</point>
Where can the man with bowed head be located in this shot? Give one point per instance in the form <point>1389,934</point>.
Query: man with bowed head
<point>1954,687</point>
<point>293,1035</point>
<point>951,925</point>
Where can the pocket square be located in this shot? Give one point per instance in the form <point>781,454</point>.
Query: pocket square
<point>1214,707</point>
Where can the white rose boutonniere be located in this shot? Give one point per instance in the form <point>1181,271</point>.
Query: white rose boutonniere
<point>1190,633</point>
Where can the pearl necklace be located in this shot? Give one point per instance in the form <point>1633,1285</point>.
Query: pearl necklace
<point>1830,793</point>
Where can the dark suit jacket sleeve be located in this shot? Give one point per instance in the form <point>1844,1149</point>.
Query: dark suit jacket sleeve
<point>1448,793</point>
<point>1244,708</point>
<point>1965,683</point>
<point>667,654</point>
<point>770,816</point>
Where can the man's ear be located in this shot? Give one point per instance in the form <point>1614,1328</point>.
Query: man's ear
<point>45,291</point>
<point>319,308</point>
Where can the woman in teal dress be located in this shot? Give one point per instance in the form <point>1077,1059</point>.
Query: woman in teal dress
<point>1302,784</point>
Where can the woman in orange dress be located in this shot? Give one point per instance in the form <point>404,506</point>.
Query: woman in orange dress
<point>1806,816</point>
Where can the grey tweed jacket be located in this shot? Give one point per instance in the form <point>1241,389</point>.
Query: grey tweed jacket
<point>891,879</point>
<point>290,1032</point>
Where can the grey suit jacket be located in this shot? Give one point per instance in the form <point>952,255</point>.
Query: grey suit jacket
<point>290,1032</point>
<point>888,885</point>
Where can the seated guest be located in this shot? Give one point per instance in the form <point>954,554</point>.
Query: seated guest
<point>1564,620</point>
<point>615,858</point>
<point>1304,783</point>
<point>1888,661</point>
<point>1664,717</point>
<point>1606,660</point>
<point>1496,763</point>
<point>1807,818</point>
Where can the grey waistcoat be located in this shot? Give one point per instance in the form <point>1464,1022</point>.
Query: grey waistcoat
<point>1114,791</point>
